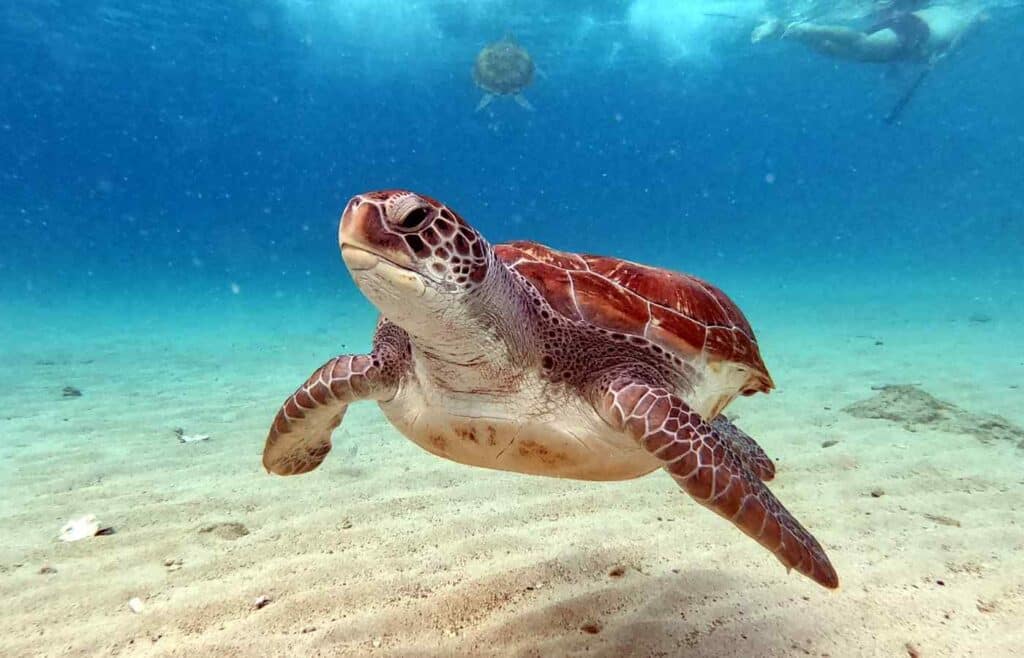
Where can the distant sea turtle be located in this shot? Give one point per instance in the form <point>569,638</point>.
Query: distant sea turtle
<point>503,68</point>
<point>522,358</point>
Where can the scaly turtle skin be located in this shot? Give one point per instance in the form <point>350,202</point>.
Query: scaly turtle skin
<point>503,68</point>
<point>522,358</point>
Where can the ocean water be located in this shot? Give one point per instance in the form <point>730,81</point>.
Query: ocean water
<point>171,181</point>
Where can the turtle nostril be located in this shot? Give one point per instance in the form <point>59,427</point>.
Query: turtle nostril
<point>414,218</point>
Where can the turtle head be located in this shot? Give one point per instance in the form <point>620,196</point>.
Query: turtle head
<point>414,258</point>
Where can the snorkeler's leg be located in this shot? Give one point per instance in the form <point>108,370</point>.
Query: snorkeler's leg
<point>846,43</point>
<point>769,28</point>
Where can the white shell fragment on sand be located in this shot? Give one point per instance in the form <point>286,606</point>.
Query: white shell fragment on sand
<point>135,604</point>
<point>81,528</point>
<point>261,601</point>
<point>192,438</point>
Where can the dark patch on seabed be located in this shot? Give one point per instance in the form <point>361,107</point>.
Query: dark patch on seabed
<point>915,409</point>
<point>229,530</point>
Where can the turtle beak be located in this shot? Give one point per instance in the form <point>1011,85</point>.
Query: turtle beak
<point>365,240</point>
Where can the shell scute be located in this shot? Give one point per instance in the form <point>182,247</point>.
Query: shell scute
<point>608,305</point>
<point>679,312</point>
<point>503,67</point>
<point>554,284</point>
<point>677,292</point>
<point>676,331</point>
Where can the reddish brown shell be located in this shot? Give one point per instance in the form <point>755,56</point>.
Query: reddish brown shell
<point>679,312</point>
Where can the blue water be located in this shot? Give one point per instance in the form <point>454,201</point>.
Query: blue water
<point>161,148</point>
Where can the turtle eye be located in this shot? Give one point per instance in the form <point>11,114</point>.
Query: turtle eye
<point>414,218</point>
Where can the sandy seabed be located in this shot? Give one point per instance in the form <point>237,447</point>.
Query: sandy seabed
<point>387,550</point>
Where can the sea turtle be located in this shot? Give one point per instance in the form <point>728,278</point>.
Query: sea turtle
<point>522,358</point>
<point>503,68</point>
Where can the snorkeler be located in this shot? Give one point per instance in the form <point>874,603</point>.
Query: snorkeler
<point>903,30</point>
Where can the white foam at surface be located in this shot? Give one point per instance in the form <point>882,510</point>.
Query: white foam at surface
<point>693,31</point>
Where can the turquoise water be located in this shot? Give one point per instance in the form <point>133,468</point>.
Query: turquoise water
<point>171,180</point>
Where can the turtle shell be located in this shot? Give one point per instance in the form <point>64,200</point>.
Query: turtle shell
<point>503,67</point>
<point>681,313</point>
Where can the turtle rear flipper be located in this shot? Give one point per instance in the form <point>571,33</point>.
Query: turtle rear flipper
<point>522,102</point>
<point>484,102</point>
<point>746,448</point>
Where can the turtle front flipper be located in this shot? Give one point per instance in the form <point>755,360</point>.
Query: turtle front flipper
<point>709,468</point>
<point>300,436</point>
